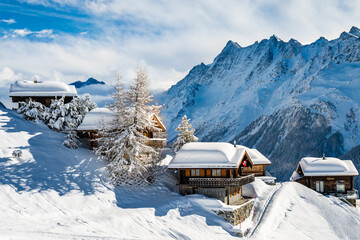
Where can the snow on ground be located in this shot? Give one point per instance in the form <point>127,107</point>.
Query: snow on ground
<point>53,192</point>
<point>300,213</point>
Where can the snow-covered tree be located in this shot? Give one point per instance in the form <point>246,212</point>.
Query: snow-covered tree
<point>61,116</point>
<point>186,134</point>
<point>31,110</point>
<point>125,142</point>
<point>72,139</point>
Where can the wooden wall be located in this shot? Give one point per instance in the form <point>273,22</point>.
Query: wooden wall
<point>185,174</point>
<point>44,100</point>
<point>258,170</point>
<point>330,182</point>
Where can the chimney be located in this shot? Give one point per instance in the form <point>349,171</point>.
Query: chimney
<point>323,156</point>
<point>234,143</point>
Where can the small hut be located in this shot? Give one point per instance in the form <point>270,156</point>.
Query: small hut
<point>328,175</point>
<point>43,92</point>
<point>90,126</point>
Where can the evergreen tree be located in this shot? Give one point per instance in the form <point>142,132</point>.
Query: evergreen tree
<point>72,139</point>
<point>186,134</point>
<point>124,142</point>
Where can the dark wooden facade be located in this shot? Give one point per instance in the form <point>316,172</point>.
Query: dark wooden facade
<point>186,174</point>
<point>228,181</point>
<point>156,139</point>
<point>44,100</point>
<point>328,184</point>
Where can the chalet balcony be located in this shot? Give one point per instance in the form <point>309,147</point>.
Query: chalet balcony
<point>157,142</point>
<point>221,182</point>
<point>160,135</point>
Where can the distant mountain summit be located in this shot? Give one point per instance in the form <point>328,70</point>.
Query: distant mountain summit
<point>90,81</point>
<point>286,99</point>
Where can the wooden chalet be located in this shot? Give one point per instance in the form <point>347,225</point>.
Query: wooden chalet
<point>89,128</point>
<point>216,169</point>
<point>329,176</point>
<point>43,92</point>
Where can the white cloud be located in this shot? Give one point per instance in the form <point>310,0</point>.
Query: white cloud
<point>48,33</point>
<point>21,32</point>
<point>7,76</point>
<point>169,36</point>
<point>45,33</point>
<point>8,21</point>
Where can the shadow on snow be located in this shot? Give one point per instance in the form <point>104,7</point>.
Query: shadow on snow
<point>54,166</point>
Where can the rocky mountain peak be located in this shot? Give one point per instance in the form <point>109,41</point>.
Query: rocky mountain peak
<point>355,31</point>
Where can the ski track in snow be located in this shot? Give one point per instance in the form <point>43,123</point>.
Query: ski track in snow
<point>264,208</point>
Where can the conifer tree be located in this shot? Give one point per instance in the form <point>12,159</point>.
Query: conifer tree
<point>186,134</point>
<point>72,139</point>
<point>124,142</point>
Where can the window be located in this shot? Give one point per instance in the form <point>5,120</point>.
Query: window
<point>340,186</point>
<point>195,172</point>
<point>320,186</point>
<point>216,172</point>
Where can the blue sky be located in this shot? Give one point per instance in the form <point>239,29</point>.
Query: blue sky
<point>69,40</point>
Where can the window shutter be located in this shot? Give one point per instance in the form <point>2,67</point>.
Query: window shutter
<point>223,172</point>
<point>187,173</point>
<point>202,172</point>
<point>208,172</point>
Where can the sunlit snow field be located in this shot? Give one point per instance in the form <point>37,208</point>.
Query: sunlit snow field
<point>53,192</point>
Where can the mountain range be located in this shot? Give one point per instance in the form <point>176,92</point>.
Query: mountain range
<point>286,99</point>
<point>90,81</point>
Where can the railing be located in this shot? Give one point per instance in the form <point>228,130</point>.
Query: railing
<point>221,182</point>
<point>350,193</point>
<point>156,142</point>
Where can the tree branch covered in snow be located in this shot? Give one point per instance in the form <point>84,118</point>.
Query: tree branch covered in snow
<point>186,134</point>
<point>124,140</point>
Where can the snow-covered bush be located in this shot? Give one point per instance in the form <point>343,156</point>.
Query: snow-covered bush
<point>60,116</point>
<point>17,153</point>
<point>186,134</point>
<point>31,110</point>
<point>72,139</point>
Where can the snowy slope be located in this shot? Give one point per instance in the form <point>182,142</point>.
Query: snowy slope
<point>300,213</point>
<point>53,192</point>
<point>275,94</point>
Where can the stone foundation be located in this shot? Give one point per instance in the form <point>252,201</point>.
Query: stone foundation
<point>233,216</point>
<point>218,193</point>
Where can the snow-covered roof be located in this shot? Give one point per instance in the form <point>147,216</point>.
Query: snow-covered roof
<point>214,155</point>
<point>93,118</point>
<point>41,89</point>
<point>256,157</point>
<point>329,166</point>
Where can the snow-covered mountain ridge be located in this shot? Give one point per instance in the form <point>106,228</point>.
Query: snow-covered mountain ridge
<point>287,99</point>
